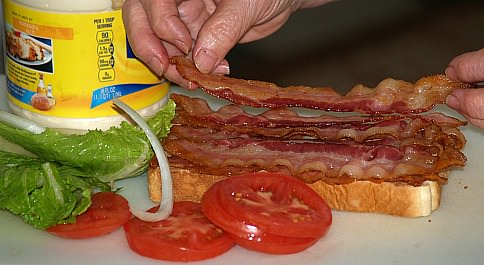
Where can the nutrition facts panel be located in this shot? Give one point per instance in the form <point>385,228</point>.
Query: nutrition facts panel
<point>105,49</point>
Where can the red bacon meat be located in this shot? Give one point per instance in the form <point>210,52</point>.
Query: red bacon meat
<point>389,96</point>
<point>392,148</point>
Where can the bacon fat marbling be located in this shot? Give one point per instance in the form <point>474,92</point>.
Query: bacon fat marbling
<point>389,96</point>
<point>390,148</point>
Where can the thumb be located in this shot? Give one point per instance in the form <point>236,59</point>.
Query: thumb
<point>467,67</point>
<point>219,34</point>
<point>470,103</point>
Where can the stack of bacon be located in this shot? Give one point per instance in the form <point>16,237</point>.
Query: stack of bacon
<point>390,141</point>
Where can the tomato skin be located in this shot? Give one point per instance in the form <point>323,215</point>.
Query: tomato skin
<point>277,203</point>
<point>247,235</point>
<point>248,232</point>
<point>107,213</point>
<point>187,235</point>
<point>219,216</point>
<point>273,244</point>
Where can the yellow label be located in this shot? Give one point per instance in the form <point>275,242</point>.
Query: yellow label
<point>70,65</point>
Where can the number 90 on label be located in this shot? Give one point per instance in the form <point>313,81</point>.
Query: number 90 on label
<point>105,36</point>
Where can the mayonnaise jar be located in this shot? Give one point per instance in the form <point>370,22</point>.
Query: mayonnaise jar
<point>65,60</point>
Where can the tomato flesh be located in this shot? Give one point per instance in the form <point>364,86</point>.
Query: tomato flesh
<point>219,216</point>
<point>187,235</point>
<point>278,203</point>
<point>107,213</point>
<point>249,224</point>
<point>248,235</point>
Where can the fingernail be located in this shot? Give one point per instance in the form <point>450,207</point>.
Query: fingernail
<point>205,61</point>
<point>453,102</point>
<point>222,69</point>
<point>182,46</point>
<point>450,73</point>
<point>156,66</point>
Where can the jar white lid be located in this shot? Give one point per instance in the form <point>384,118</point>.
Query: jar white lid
<point>69,6</point>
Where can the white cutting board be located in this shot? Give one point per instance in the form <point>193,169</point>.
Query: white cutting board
<point>454,234</point>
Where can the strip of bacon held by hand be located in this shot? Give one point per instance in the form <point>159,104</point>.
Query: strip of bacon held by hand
<point>389,96</point>
<point>409,148</point>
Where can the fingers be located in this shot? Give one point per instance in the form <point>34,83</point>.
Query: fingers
<point>149,26</point>
<point>220,33</point>
<point>237,21</point>
<point>172,74</point>
<point>194,14</point>
<point>166,23</point>
<point>467,67</point>
<point>468,102</point>
<point>144,42</point>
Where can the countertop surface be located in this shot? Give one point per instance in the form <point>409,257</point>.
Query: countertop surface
<point>454,234</point>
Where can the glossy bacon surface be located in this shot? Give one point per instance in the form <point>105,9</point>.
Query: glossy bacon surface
<point>408,148</point>
<point>285,123</point>
<point>389,96</point>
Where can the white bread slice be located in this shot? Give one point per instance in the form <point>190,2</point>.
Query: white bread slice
<point>361,196</point>
<point>386,197</point>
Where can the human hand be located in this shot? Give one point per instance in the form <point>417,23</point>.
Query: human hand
<point>468,67</point>
<point>237,21</point>
<point>203,30</point>
<point>157,30</point>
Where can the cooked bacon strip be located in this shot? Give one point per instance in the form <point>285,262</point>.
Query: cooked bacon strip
<point>406,148</point>
<point>282,117</point>
<point>178,162</point>
<point>287,124</point>
<point>390,96</point>
<point>434,142</point>
<point>216,152</point>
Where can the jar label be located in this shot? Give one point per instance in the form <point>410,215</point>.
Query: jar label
<point>70,65</point>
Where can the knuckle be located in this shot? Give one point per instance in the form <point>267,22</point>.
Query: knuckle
<point>224,34</point>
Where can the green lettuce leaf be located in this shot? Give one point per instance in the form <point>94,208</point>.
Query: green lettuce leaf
<point>55,183</point>
<point>43,193</point>
<point>160,123</point>
<point>116,153</point>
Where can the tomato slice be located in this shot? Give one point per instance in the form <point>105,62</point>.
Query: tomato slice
<point>107,213</point>
<point>247,235</point>
<point>187,235</point>
<point>219,216</point>
<point>273,244</point>
<point>276,203</point>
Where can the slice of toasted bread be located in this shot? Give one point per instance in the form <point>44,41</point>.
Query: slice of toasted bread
<point>361,196</point>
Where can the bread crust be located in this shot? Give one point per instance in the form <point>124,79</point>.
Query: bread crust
<point>397,199</point>
<point>385,198</point>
